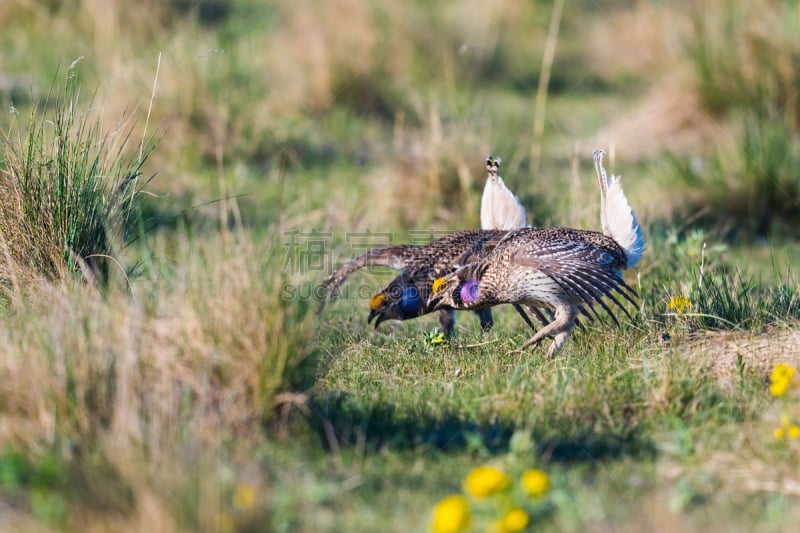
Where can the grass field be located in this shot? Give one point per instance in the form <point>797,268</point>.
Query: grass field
<point>177,178</point>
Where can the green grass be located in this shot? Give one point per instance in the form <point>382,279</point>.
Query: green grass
<point>609,416</point>
<point>605,422</point>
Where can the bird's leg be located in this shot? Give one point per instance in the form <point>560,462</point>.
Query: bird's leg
<point>559,329</point>
<point>485,316</point>
<point>558,341</point>
<point>447,319</point>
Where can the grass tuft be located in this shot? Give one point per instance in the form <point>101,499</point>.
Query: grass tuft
<point>69,191</point>
<point>133,390</point>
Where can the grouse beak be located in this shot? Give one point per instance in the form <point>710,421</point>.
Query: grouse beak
<point>434,302</point>
<point>381,318</point>
<point>377,316</point>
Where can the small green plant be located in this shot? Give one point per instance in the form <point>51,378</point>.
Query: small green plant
<point>432,339</point>
<point>41,482</point>
<point>704,293</point>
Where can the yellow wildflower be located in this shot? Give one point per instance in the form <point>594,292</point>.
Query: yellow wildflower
<point>781,378</point>
<point>536,482</point>
<point>244,497</point>
<point>778,388</point>
<point>516,520</point>
<point>450,515</point>
<point>782,372</point>
<point>485,480</point>
<point>793,431</point>
<point>779,433</point>
<point>679,304</point>
<point>785,421</point>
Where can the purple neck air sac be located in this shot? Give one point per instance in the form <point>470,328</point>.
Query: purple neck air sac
<point>469,292</point>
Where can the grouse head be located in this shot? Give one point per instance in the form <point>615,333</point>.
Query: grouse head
<point>455,292</point>
<point>396,302</point>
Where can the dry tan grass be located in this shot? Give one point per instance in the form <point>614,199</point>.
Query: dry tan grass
<point>752,461</point>
<point>27,254</point>
<point>644,38</point>
<point>721,351</point>
<point>648,40</point>
<point>176,371</point>
<point>668,118</point>
<point>307,54</point>
<point>435,174</point>
<point>674,113</point>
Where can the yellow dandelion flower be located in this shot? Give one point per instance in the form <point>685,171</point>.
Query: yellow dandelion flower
<point>782,373</point>
<point>679,304</point>
<point>485,480</point>
<point>778,388</point>
<point>536,482</point>
<point>779,433</point>
<point>244,497</point>
<point>450,515</point>
<point>793,431</point>
<point>516,520</point>
<point>785,421</point>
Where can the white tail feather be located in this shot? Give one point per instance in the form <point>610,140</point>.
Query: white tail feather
<point>616,215</point>
<point>500,208</point>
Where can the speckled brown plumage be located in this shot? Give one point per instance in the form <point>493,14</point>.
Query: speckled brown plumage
<point>406,296</point>
<point>419,266</point>
<point>437,256</point>
<point>565,270</point>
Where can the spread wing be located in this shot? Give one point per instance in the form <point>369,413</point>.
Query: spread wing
<point>478,251</point>
<point>582,270</point>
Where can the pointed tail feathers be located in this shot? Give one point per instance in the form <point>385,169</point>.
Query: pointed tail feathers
<point>616,214</point>
<point>500,208</point>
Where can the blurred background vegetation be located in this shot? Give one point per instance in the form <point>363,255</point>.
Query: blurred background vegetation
<point>364,114</point>
<point>158,156</point>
